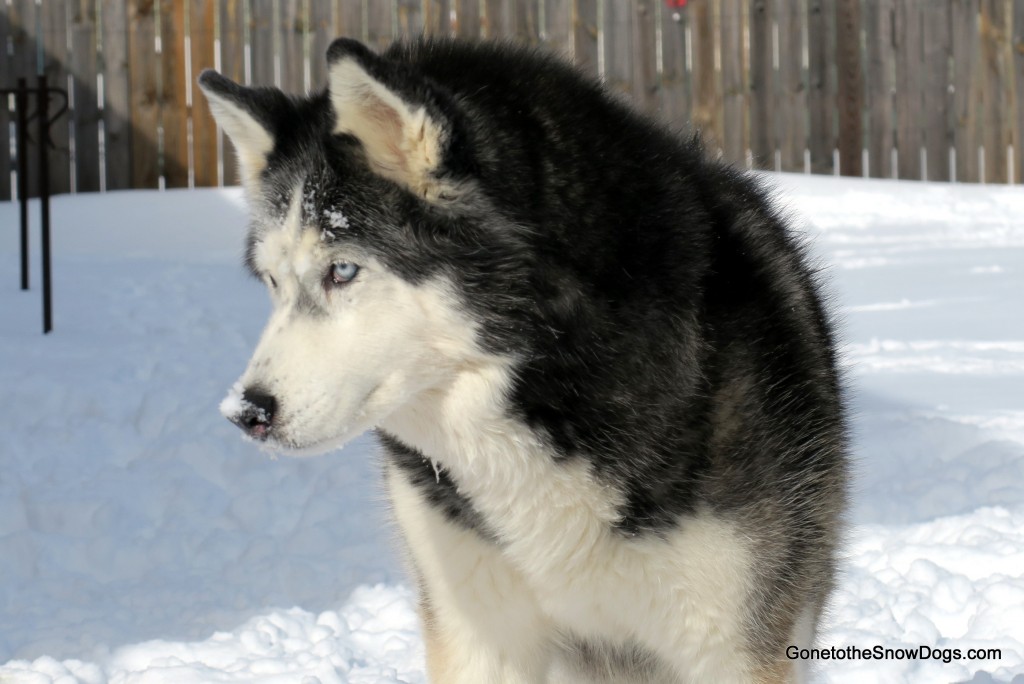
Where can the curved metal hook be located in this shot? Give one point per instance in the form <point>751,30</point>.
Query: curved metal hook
<point>64,94</point>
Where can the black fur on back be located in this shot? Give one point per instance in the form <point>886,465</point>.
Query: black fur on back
<point>670,327</point>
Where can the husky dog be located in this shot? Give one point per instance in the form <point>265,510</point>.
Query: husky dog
<point>598,363</point>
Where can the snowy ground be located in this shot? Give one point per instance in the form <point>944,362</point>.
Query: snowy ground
<point>142,541</point>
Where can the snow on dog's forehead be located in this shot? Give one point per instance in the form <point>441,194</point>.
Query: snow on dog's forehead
<point>286,234</point>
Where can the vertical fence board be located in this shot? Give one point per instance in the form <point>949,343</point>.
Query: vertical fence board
<point>55,65</point>
<point>378,24</point>
<point>792,96</point>
<point>558,27</point>
<point>23,15</point>
<point>204,129</point>
<point>1018,70</point>
<point>117,114</point>
<point>291,27</point>
<point>6,191</point>
<point>232,65</point>
<point>145,112</point>
<point>437,17</point>
<point>584,35</point>
<point>496,20</point>
<point>86,114</point>
<point>935,24</point>
<point>524,20</point>
<point>996,123</point>
<point>821,96</point>
<point>173,112</point>
<point>909,74</point>
<point>707,95</point>
<point>674,88</point>
<point>762,85</point>
<point>261,42</point>
<point>967,93</point>
<point>734,86</point>
<point>410,18</point>
<point>645,58</point>
<point>618,46</point>
<point>467,18</point>
<point>879,81</point>
<point>850,91</point>
<point>327,22</point>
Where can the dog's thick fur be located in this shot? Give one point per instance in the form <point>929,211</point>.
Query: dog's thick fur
<point>598,363</point>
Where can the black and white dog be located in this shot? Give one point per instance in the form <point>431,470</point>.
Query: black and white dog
<point>598,363</point>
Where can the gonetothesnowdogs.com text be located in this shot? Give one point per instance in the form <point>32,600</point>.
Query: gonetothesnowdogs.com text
<point>877,652</point>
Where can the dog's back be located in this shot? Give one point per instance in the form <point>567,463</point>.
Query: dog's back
<point>634,466</point>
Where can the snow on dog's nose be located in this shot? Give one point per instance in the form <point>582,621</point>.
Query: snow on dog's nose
<point>250,409</point>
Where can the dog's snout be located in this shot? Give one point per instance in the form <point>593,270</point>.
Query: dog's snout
<point>257,414</point>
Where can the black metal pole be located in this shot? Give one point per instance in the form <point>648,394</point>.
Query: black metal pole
<point>44,198</point>
<point>21,106</point>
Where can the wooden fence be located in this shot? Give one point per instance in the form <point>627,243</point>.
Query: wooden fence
<point>912,89</point>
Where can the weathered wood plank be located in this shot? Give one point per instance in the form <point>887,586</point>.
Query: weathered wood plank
<point>558,27</point>
<point>821,94</point>
<point>997,123</point>
<point>173,112</point>
<point>909,74</point>
<point>86,114</point>
<point>792,95</point>
<point>6,63</point>
<point>967,89</point>
<point>410,18</point>
<point>467,18</point>
<point>936,115</point>
<point>204,128</point>
<point>645,58</point>
<point>850,87</point>
<point>1018,70</point>
<point>437,17</point>
<point>763,140</point>
<point>674,86</point>
<point>232,65</point>
<point>379,24</point>
<point>524,20</point>
<point>54,22</point>
<point>117,104</point>
<point>496,20</point>
<point>584,32</point>
<point>291,28</point>
<point>262,47</point>
<point>707,93</point>
<point>144,64</point>
<point>618,47</point>
<point>734,84</point>
<point>24,64</point>
<point>879,80</point>
<point>328,21</point>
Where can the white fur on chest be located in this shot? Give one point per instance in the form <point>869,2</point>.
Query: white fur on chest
<point>681,595</point>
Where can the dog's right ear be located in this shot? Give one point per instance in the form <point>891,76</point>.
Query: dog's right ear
<point>241,112</point>
<point>410,129</point>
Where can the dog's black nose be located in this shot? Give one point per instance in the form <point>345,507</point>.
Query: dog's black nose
<point>257,413</point>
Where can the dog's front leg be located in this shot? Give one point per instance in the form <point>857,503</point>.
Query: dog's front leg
<point>481,622</point>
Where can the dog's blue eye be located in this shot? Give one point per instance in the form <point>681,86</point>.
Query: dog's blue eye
<point>343,272</point>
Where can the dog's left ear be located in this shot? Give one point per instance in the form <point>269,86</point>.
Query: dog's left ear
<point>409,129</point>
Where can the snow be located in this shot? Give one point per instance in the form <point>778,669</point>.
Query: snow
<point>337,220</point>
<point>141,540</point>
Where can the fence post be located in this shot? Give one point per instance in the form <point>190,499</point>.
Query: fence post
<point>20,105</point>
<point>42,114</point>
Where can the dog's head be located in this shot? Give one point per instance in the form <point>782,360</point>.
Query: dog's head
<point>374,241</point>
